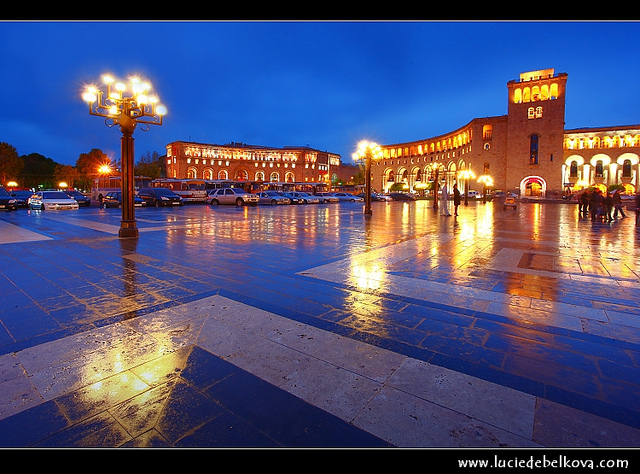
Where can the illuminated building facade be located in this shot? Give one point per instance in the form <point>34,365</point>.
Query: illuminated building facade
<point>242,162</point>
<point>528,151</point>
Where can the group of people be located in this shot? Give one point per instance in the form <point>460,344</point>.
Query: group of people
<point>602,206</point>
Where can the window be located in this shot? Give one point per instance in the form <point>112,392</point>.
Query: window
<point>533,150</point>
<point>599,169</point>
<point>573,169</point>
<point>626,169</point>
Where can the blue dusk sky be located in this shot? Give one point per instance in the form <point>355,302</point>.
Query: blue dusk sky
<point>325,84</point>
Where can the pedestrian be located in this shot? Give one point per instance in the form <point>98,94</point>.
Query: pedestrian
<point>637,208</point>
<point>445,201</point>
<point>594,201</point>
<point>584,203</point>
<point>456,199</point>
<point>617,204</point>
<point>608,207</point>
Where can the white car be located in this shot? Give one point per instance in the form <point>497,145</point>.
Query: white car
<point>236,196</point>
<point>52,200</point>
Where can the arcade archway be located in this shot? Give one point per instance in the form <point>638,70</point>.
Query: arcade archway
<point>533,186</point>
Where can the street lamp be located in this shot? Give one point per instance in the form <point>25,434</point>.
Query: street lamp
<point>487,182</point>
<point>367,150</point>
<point>466,175</point>
<point>126,105</point>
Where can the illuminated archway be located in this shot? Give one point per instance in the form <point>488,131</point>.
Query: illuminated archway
<point>533,186</point>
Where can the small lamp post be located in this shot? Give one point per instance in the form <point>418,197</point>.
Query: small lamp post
<point>126,105</point>
<point>367,151</point>
<point>466,175</point>
<point>487,182</point>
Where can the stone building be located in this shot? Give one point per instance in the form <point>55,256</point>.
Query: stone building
<point>528,151</point>
<point>242,162</point>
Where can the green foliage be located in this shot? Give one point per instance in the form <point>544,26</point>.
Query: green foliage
<point>37,171</point>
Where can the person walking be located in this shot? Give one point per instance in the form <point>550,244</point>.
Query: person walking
<point>594,201</point>
<point>456,199</point>
<point>445,201</point>
<point>584,203</point>
<point>617,204</point>
<point>637,208</point>
<point>608,207</point>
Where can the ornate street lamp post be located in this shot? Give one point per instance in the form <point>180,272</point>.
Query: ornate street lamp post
<point>126,105</point>
<point>367,151</point>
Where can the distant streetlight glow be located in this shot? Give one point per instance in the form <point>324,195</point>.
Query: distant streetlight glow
<point>126,105</point>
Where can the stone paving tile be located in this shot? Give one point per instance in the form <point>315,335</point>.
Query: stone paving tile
<point>539,306</point>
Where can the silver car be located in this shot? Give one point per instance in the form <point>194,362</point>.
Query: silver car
<point>236,196</point>
<point>273,197</point>
<point>347,197</point>
<point>304,198</point>
<point>327,197</point>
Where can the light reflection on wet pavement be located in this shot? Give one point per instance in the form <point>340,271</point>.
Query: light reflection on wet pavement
<point>535,307</point>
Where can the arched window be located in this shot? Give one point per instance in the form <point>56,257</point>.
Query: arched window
<point>626,169</point>
<point>533,150</point>
<point>599,169</point>
<point>573,169</point>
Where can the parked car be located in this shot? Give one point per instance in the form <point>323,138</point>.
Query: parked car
<point>327,197</point>
<point>376,197</point>
<point>304,198</point>
<point>21,196</point>
<point>291,197</point>
<point>402,197</point>
<point>509,202</point>
<point>273,198</point>
<point>347,197</point>
<point>7,202</point>
<point>78,196</point>
<point>52,200</point>
<point>236,196</point>
<point>159,197</point>
<point>114,199</point>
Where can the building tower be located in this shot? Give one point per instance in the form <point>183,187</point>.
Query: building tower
<point>535,133</point>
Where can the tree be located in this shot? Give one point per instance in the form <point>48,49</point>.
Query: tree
<point>66,173</point>
<point>151,165</point>
<point>10,163</point>
<point>38,171</point>
<point>88,166</point>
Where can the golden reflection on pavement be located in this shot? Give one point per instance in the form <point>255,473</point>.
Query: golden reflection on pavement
<point>367,276</point>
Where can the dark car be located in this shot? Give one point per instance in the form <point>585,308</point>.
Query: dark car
<point>7,202</point>
<point>79,197</point>
<point>159,197</point>
<point>114,199</point>
<point>402,197</point>
<point>21,196</point>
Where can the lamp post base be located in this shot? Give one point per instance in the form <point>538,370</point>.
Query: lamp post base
<point>128,229</point>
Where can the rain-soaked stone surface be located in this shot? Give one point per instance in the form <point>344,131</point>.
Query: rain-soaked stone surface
<point>318,326</point>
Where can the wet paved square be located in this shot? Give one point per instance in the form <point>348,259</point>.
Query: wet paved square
<point>318,326</point>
